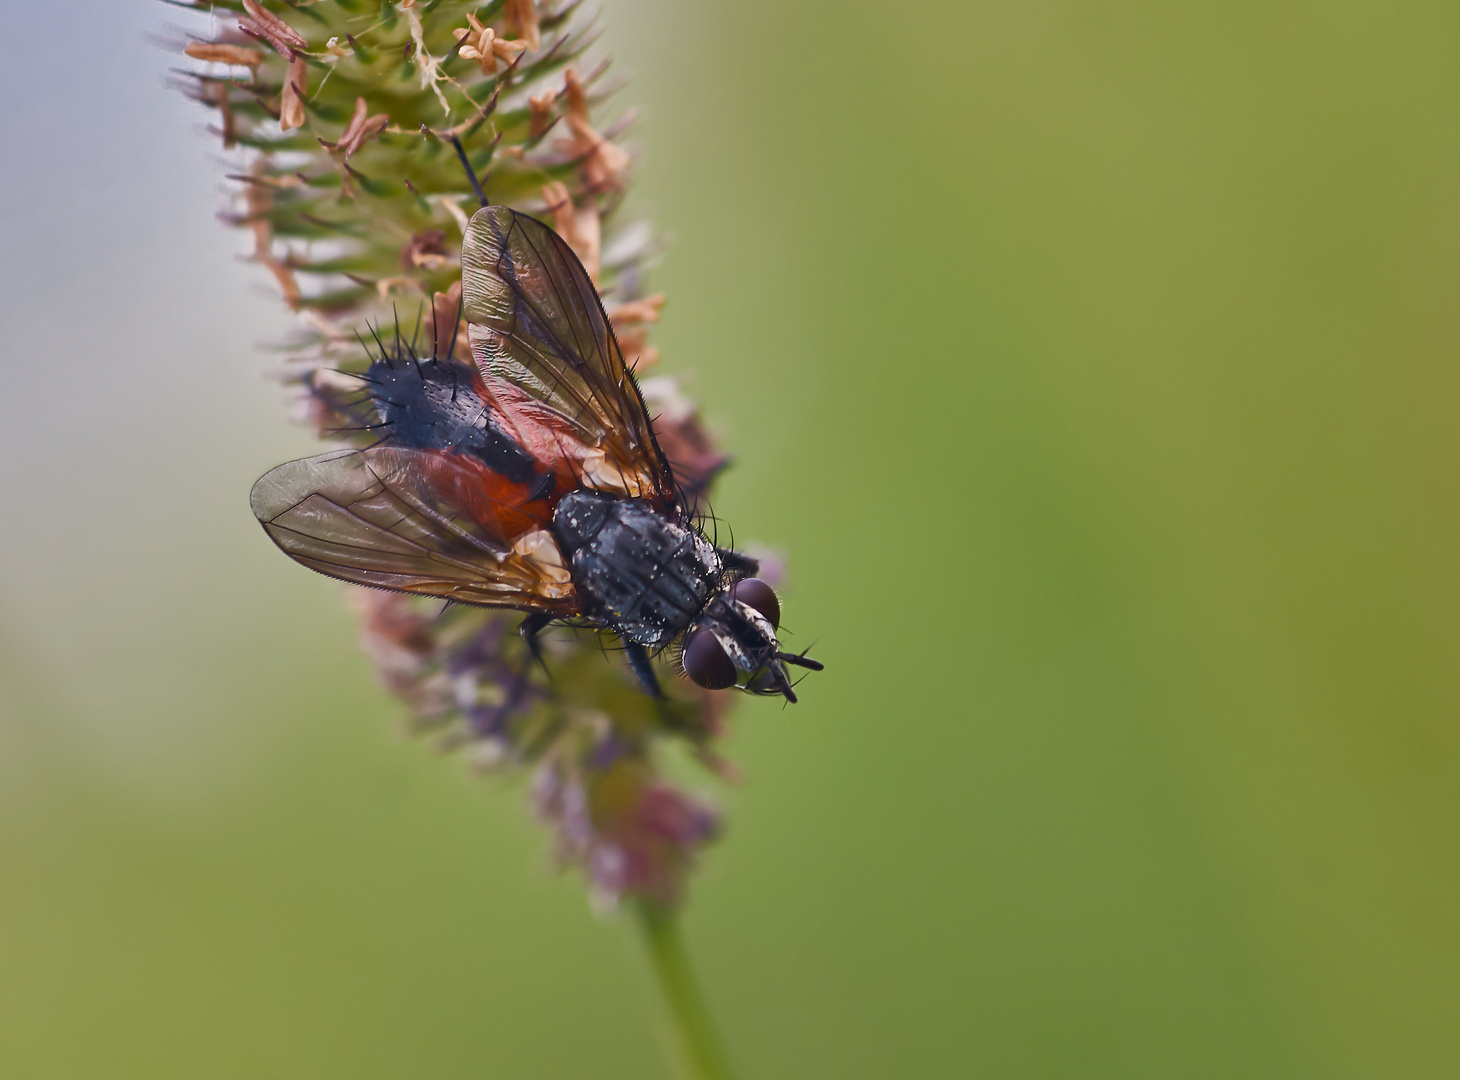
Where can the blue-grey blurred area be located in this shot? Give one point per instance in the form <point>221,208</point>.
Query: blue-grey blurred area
<point>1096,363</point>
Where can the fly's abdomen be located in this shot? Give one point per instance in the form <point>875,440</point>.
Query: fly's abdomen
<point>435,404</point>
<point>646,576</point>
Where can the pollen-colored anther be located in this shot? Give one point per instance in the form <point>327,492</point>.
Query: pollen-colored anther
<point>481,43</point>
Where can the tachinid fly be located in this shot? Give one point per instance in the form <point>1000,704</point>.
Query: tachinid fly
<point>530,478</point>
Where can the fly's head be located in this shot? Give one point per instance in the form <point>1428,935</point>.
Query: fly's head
<point>733,643</point>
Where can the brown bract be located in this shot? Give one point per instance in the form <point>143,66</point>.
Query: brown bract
<point>519,19</point>
<point>628,323</point>
<point>360,128</point>
<point>602,163</point>
<point>291,102</point>
<point>690,450</point>
<point>576,95</point>
<point>481,43</point>
<point>426,248</point>
<point>259,199</point>
<point>540,114</point>
<point>398,638</point>
<point>638,353</point>
<point>448,328</point>
<point>386,285</point>
<point>224,97</point>
<point>266,26</point>
<point>216,52</point>
<point>637,311</point>
<point>580,227</point>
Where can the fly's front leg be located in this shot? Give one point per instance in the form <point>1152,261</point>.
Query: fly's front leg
<point>514,691</point>
<point>672,714</point>
<point>639,664</point>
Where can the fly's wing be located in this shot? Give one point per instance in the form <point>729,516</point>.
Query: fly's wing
<point>553,370</point>
<point>419,521</point>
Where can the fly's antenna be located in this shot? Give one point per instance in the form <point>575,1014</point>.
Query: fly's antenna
<point>783,684</point>
<point>792,699</point>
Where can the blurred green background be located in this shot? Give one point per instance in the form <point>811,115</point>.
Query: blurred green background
<point>1096,363</point>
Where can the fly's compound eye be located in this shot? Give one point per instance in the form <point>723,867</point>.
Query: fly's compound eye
<point>706,663</point>
<point>753,592</point>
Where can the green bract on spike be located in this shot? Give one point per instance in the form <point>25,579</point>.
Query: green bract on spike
<point>356,200</point>
<point>363,138</point>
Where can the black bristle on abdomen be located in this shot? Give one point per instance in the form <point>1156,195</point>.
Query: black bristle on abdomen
<point>434,404</point>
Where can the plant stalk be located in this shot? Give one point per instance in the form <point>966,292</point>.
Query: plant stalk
<point>699,1053</point>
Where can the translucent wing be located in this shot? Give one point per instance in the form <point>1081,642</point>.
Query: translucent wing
<point>420,521</point>
<point>548,356</point>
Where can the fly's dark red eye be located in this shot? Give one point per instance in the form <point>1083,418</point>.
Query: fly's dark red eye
<point>757,594</point>
<point>705,661</point>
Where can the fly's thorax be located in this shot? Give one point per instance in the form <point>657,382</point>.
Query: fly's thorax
<point>579,516</point>
<point>645,575</point>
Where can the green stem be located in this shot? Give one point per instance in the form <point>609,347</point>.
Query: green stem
<point>700,1055</point>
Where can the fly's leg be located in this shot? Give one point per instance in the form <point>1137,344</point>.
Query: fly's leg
<point>640,666</point>
<point>672,714</point>
<point>531,626</point>
<point>489,721</point>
